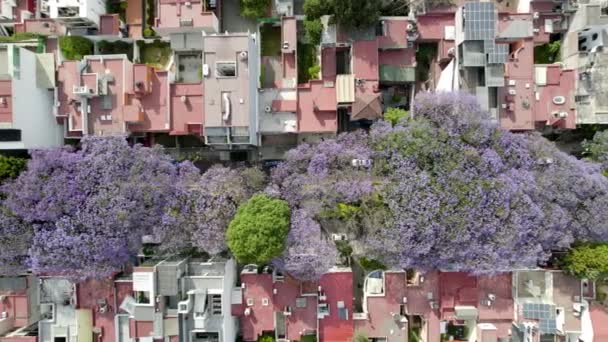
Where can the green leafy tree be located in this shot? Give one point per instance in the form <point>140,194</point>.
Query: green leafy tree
<point>394,115</point>
<point>356,13</point>
<point>314,9</point>
<point>547,53</point>
<point>587,261</point>
<point>349,13</point>
<point>597,149</point>
<point>75,47</point>
<point>314,30</point>
<point>258,231</point>
<point>254,9</point>
<point>11,167</point>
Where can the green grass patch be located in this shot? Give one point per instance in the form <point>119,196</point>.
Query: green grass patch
<point>20,36</point>
<point>307,59</point>
<point>115,48</point>
<point>75,47</point>
<point>156,54</point>
<point>271,40</point>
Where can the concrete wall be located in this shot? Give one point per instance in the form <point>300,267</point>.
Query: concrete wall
<point>32,108</point>
<point>230,323</point>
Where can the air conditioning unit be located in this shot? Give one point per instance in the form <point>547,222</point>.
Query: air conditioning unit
<point>186,22</point>
<point>563,115</point>
<point>243,55</point>
<point>3,315</point>
<point>268,109</point>
<point>512,92</point>
<point>512,83</point>
<point>184,307</point>
<point>247,312</point>
<point>103,309</point>
<point>188,4</point>
<point>205,70</point>
<point>80,90</point>
<point>491,296</point>
<point>536,15</point>
<point>535,30</point>
<point>410,27</point>
<point>339,237</point>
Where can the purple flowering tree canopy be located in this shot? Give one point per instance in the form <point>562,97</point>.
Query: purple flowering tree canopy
<point>467,195</point>
<point>309,253</point>
<point>204,205</point>
<point>89,208</point>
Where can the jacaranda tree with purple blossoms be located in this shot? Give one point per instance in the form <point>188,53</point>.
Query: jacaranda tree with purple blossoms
<point>448,189</point>
<point>467,195</point>
<point>87,209</point>
<point>309,252</point>
<point>199,214</point>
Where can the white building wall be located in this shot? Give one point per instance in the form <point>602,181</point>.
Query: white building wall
<point>230,323</point>
<point>32,108</point>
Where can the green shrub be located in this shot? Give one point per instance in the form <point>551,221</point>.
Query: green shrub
<point>254,9</point>
<point>75,47</point>
<point>589,260</point>
<point>115,48</point>
<point>313,72</point>
<point>307,57</point>
<point>360,336</point>
<point>394,115</point>
<point>314,30</point>
<point>148,32</point>
<point>547,53</point>
<point>308,338</point>
<point>11,167</point>
<point>259,229</point>
<point>371,264</point>
<point>266,338</point>
<point>344,248</point>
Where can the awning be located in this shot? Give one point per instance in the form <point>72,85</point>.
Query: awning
<point>345,88</point>
<point>367,106</point>
<point>466,312</point>
<point>84,319</point>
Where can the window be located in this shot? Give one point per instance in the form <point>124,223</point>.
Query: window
<point>216,304</point>
<point>225,69</point>
<point>142,297</point>
<point>10,135</point>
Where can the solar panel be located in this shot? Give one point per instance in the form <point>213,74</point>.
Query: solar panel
<point>480,21</point>
<point>499,54</point>
<point>544,313</point>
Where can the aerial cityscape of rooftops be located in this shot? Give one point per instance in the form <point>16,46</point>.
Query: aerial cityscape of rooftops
<point>303,170</point>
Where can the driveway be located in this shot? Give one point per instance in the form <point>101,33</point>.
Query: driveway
<point>232,20</point>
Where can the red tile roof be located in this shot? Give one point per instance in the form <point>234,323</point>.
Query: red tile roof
<point>260,287</point>
<point>599,320</point>
<point>338,287</point>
